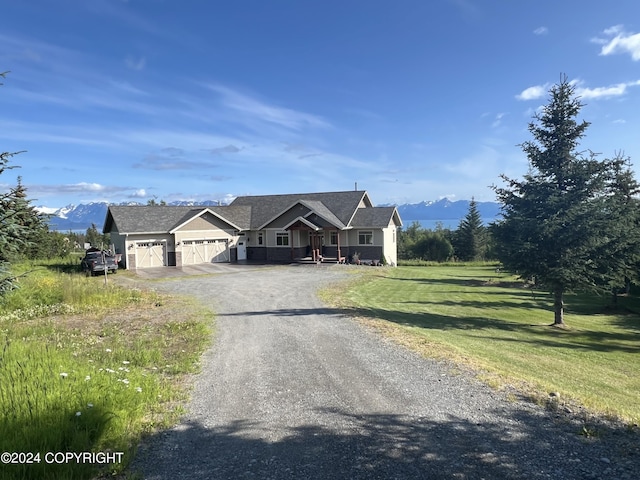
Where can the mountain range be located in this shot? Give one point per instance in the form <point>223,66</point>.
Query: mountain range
<point>428,213</point>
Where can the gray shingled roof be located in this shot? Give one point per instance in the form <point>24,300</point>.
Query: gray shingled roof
<point>322,211</point>
<point>265,207</point>
<point>374,217</point>
<point>252,212</point>
<point>164,218</point>
<point>146,219</point>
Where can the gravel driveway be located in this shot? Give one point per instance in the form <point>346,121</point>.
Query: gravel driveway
<point>293,390</point>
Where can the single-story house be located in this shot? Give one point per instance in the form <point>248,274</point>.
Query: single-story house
<point>329,226</point>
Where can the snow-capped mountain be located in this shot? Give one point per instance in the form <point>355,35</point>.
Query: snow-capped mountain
<point>80,217</point>
<point>445,211</point>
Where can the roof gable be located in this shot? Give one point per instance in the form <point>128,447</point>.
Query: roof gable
<point>203,214</point>
<point>376,217</point>
<point>341,205</point>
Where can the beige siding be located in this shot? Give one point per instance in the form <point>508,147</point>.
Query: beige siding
<point>378,236</point>
<point>390,251</point>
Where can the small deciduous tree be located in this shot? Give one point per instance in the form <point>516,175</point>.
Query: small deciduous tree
<point>434,247</point>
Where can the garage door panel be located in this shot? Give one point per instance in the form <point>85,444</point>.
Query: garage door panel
<point>151,254</point>
<point>204,251</point>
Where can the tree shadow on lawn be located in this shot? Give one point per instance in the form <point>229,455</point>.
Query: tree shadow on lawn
<point>502,442</point>
<point>540,334</point>
<point>583,340</point>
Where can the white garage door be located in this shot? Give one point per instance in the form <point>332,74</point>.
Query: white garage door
<point>204,251</point>
<point>151,254</point>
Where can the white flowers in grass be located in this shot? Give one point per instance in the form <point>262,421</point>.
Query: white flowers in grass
<point>139,389</point>
<point>87,378</point>
<point>78,414</point>
<point>64,374</point>
<point>90,405</point>
<point>124,362</point>
<point>108,350</point>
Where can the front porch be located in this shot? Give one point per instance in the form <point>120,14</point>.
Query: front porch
<point>309,245</point>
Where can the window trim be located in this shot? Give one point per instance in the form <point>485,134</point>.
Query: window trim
<point>280,239</point>
<point>365,233</point>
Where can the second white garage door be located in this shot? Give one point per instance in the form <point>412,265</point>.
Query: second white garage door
<point>205,251</point>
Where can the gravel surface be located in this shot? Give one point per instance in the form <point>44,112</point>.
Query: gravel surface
<point>293,390</point>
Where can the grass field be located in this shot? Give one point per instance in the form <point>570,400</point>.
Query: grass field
<point>491,322</point>
<point>86,367</point>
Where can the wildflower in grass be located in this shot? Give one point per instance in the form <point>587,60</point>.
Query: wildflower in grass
<point>139,389</point>
<point>125,362</point>
<point>64,374</point>
<point>90,405</point>
<point>87,378</point>
<point>78,414</point>
<point>108,350</point>
<point>108,370</point>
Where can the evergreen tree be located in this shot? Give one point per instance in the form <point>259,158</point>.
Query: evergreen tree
<point>97,239</point>
<point>20,225</point>
<point>555,221</point>
<point>471,236</point>
<point>621,244</point>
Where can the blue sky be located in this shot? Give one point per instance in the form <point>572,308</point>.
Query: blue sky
<point>414,100</point>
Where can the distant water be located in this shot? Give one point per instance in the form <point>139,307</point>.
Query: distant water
<point>451,223</point>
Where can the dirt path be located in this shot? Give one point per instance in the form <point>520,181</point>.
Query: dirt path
<point>293,390</point>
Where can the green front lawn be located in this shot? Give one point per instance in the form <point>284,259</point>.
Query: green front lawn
<point>490,321</point>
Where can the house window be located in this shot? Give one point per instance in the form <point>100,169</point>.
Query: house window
<point>260,238</point>
<point>282,239</point>
<point>333,240</point>
<point>365,237</point>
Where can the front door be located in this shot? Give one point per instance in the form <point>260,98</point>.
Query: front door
<point>242,247</point>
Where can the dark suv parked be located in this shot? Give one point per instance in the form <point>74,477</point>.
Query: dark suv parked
<point>97,261</point>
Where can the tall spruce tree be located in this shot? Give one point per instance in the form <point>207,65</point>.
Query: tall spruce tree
<point>471,236</point>
<point>20,223</point>
<point>620,261</point>
<point>555,222</point>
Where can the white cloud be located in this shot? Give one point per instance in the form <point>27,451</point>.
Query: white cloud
<point>498,120</point>
<point>533,93</point>
<point>252,107</point>
<point>541,31</point>
<point>81,187</point>
<point>617,40</point>
<point>616,90</point>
